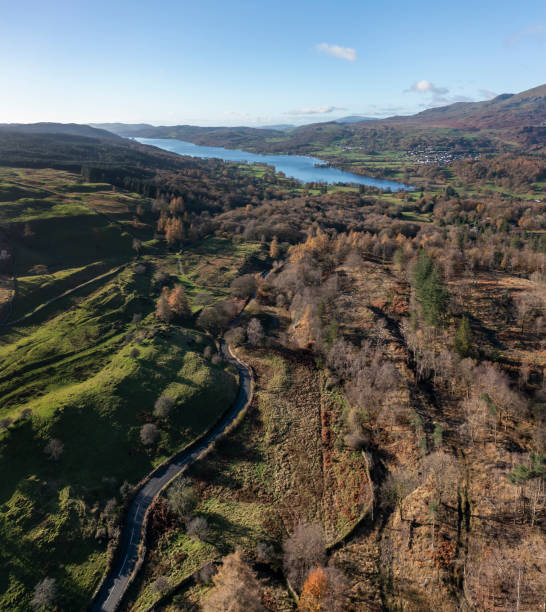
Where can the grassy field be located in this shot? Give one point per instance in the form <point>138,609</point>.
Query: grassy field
<point>86,371</point>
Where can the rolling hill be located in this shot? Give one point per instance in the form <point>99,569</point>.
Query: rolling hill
<point>504,111</point>
<point>507,118</point>
<point>71,129</point>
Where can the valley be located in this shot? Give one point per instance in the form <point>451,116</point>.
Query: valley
<point>391,454</point>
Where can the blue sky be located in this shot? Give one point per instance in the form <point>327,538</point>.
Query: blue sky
<point>212,62</point>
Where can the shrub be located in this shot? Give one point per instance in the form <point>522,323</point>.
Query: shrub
<point>54,449</point>
<point>161,585</point>
<point>181,497</point>
<point>198,527</point>
<point>149,434</point>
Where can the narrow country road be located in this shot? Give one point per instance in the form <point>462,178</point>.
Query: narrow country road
<point>113,589</point>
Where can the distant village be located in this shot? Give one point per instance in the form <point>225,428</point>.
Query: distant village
<point>430,155</point>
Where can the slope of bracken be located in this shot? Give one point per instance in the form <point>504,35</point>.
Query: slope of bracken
<point>462,507</point>
<point>284,464</point>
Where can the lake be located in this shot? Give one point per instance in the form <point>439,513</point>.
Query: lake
<point>300,167</point>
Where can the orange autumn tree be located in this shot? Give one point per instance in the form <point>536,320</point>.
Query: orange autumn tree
<point>178,302</point>
<point>174,230</point>
<point>323,591</point>
<point>314,591</point>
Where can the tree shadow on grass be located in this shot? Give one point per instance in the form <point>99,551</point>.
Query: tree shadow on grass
<point>223,532</point>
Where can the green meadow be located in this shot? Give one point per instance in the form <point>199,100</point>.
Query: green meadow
<point>86,371</point>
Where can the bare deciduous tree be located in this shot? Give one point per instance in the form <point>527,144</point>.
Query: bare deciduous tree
<point>356,437</point>
<point>215,318</point>
<point>163,406</point>
<point>44,594</point>
<point>264,552</point>
<point>235,336</point>
<point>205,574</point>
<point>149,434</point>
<point>5,422</point>
<point>244,286</point>
<point>255,332</point>
<point>54,449</point>
<point>303,550</point>
<point>163,309</point>
<point>198,527</point>
<point>396,487</point>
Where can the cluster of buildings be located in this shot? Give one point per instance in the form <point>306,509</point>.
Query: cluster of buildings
<point>430,155</point>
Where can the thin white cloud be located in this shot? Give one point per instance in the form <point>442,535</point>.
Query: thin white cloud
<point>320,110</point>
<point>487,94</point>
<point>424,86</point>
<point>345,53</point>
<point>536,31</point>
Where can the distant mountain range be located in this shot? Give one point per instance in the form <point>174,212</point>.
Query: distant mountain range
<point>500,122</point>
<point>70,129</point>
<point>354,119</point>
<point>523,115</point>
<point>290,126</point>
<point>231,137</point>
<point>504,111</point>
<point>279,126</point>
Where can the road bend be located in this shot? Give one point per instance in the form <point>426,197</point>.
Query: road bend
<point>112,591</point>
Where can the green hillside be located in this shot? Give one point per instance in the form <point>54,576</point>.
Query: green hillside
<point>86,371</point>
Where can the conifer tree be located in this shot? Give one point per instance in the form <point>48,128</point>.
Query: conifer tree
<point>398,260</point>
<point>463,339</point>
<point>430,290</point>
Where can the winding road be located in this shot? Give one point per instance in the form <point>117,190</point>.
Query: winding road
<point>113,589</point>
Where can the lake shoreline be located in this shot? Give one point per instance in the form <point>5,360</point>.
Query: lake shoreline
<point>303,168</point>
